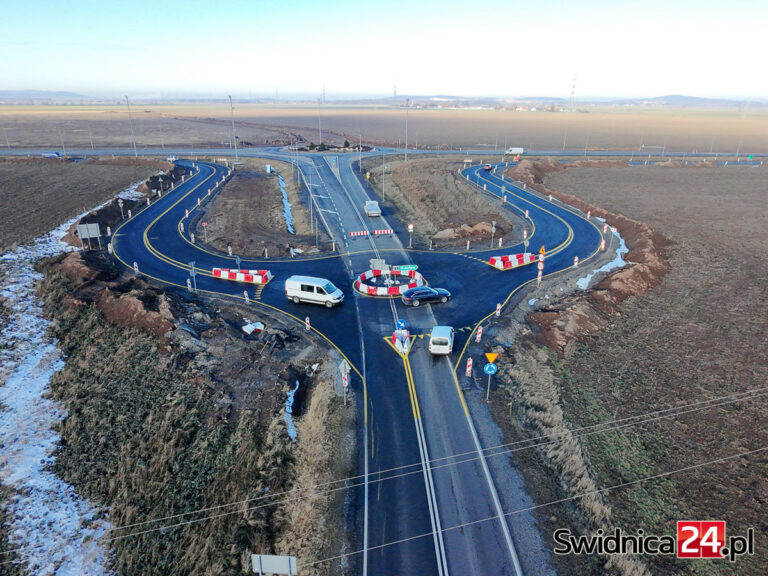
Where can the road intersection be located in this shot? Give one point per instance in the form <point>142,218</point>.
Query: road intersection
<point>421,510</point>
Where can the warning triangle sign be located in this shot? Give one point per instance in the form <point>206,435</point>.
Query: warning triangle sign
<point>491,356</point>
<point>542,249</point>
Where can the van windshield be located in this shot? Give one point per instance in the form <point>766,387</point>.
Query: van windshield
<point>440,341</point>
<point>329,288</point>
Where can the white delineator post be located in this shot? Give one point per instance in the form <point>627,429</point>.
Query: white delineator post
<point>245,295</point>
<point>575,261</point>
<point>479,336</point>
<point>602,244</point>
<point>181,225</point>
<point>189,285</point>
<point>468,372</point>
<point>589,214</point>
<point>136,268</point>
<point>306,324</point>
<point>498,310</point>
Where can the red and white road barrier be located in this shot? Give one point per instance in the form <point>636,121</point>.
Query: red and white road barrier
<point>511,261</point>
<point>479,336</point>
<point>539,277</point>
<point>306,324</point>
<point>526,213</point>
<point>605,228</point>
<point>358,233</point>
<point>575,261</point>
<point>469,367</point>
<point>589,214</point>
<point>382,232</point>
<point>412,280</point>
<point>250,276</point>
<point>602,244</point>
<point>498,310</point>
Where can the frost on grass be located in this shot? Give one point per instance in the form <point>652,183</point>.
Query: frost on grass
<point>54,530</point>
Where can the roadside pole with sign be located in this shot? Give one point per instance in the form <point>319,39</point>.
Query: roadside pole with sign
<point>193,273</point>
<point>344,368</point>
<point>490,369</point>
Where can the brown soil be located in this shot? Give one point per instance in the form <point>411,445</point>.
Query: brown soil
<point>575,317</point>
<point>442,207</point>
<point>38,194</point>
<point>160,423</point>
<point>248,214</point>
<point>695,336</point>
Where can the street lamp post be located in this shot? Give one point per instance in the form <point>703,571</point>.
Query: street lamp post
<point>410,236</point>
<point>130,119</point>
<point>407,102</point>
<point>234,135</point>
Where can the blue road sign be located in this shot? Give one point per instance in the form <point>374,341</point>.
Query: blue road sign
<point>490,369</point>
<point>400,324</point>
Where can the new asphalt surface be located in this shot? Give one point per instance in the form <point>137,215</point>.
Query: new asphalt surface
<point>422,509</point>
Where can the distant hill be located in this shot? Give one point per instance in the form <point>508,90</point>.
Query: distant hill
<point>680,101</point>
<point>40,96</point>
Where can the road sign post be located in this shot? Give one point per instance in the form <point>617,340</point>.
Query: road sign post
<point>493,232</point>
<point>489,369</point>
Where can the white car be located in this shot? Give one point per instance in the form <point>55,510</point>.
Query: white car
<point>441,340</point>
<point>313,290</point>
<point>372,208</point>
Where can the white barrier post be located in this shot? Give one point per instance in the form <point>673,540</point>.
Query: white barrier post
<point>575,261</point>
<point>498,310</point>
<point>526,213</point>
<point>148,201</point>
<point>306,324</point>
<point>198,201</point>
<point>136,268</point>
<point>182,227</point>
<point>129,214</point>
<point>109,231</point>
<point>550,197</point>
<point>602,245</point>
<point>467,244</point>
<point>525,234</point>
<point>229,249</point>
<point>499,242</point>
<point>605,228</point>
<point>245,295</point>
<point>479,334</point>
<point>186,213</point>
<point>192,237</point>
<point>589,214</point>
<point>189,285</point>
<point>109,248</point>
<point>469,367</point>
<point>539,278</point>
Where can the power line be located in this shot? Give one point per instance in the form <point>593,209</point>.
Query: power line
<point>550,503</point>
<point>584,431</point>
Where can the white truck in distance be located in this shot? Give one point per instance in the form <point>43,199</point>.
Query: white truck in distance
<point>514,151</point>
<point>372,208</point>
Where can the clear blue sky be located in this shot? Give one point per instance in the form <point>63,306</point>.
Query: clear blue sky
<point>494,48</point>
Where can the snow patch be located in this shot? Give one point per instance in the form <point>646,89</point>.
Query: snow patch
<point>532,301</point>
<point>286,206</point>
<point>288,417</point>
<point>618,262</point>
<point>54,530</point>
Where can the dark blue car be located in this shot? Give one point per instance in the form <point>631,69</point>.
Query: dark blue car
<point>416,296</point>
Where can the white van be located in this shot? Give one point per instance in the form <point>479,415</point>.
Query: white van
<point>441,340</point>
<point>314,290</point>
<point>371,208</point>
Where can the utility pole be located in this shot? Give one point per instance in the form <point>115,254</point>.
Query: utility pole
<point>130,119</point>
<point>407,105</point>
<point>383,195</point>
<point>359,153</point>
<point>234,136</point>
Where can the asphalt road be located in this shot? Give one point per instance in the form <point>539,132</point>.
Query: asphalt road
<point>420,511</point>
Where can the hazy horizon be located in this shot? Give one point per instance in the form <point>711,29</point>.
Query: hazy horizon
<point>596,49</point>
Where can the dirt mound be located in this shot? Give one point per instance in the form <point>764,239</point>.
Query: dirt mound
<point>125,310</point>
<point>578,316</point>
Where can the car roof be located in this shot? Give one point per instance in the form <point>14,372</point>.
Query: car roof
<point>442,331</point>
<point>307,279</point>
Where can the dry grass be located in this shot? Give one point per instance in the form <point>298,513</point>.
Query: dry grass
<point>39,194</point>
<point>696,336</point>
<point>209,125</point>
<point>428,194</point>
